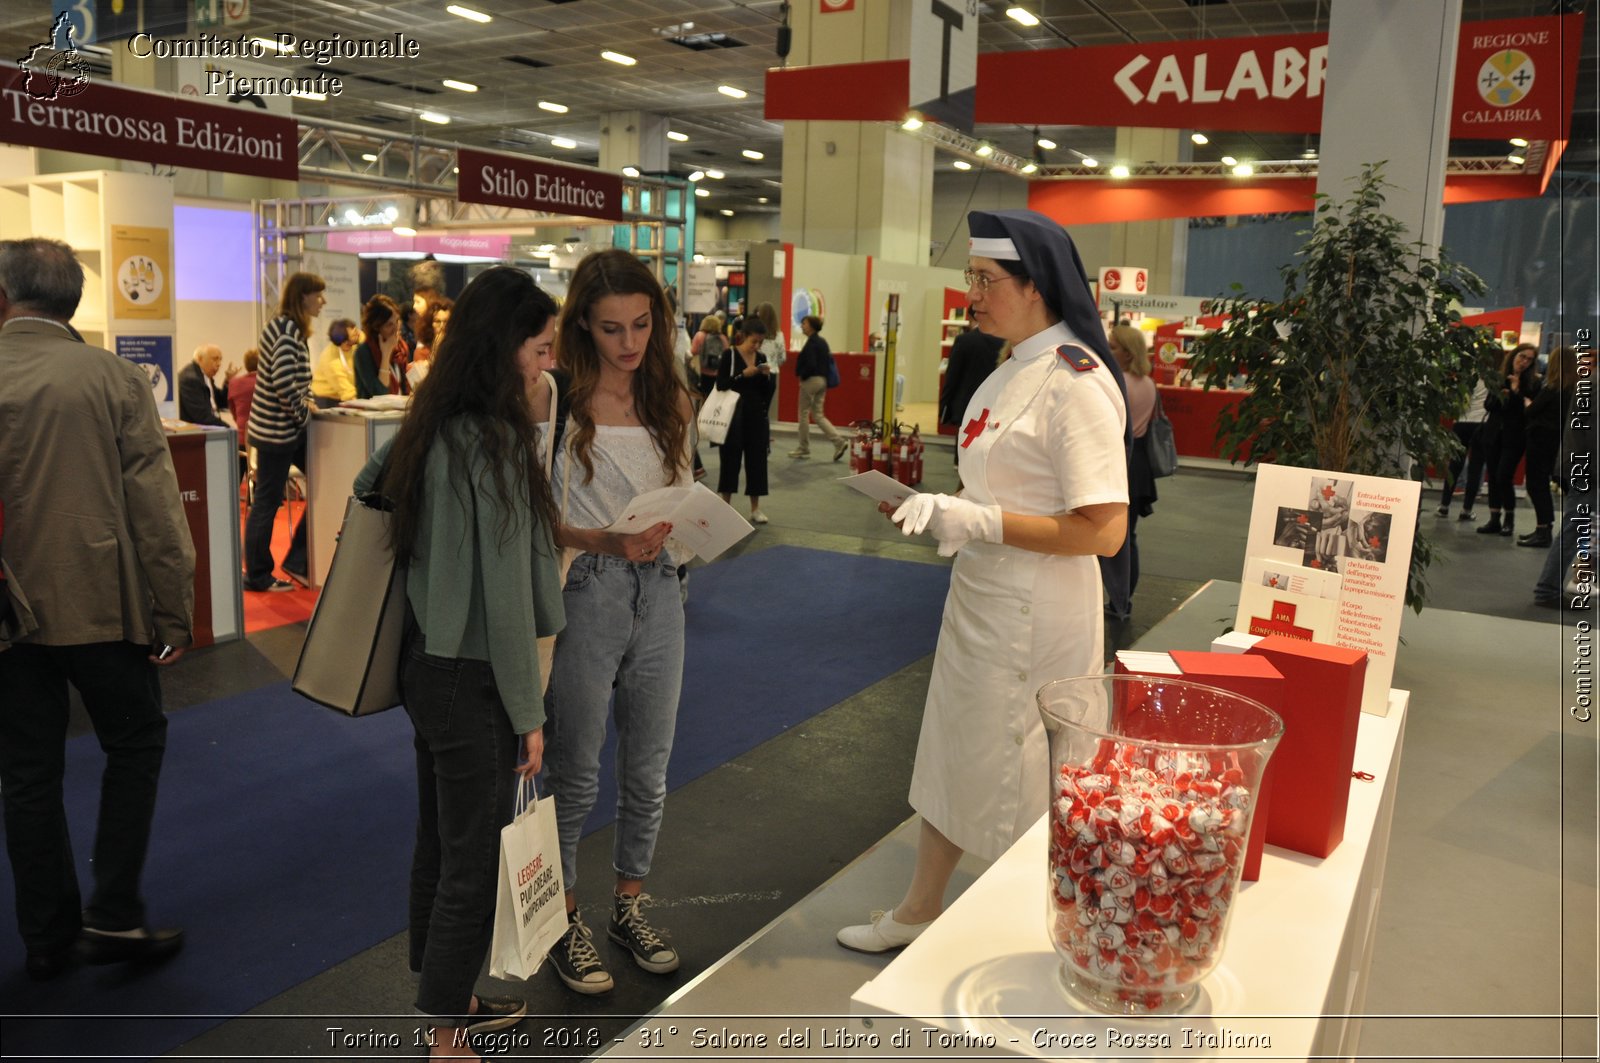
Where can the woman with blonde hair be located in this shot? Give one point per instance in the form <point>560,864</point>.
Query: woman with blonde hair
<point>621,652</point>
<point>708,345</point>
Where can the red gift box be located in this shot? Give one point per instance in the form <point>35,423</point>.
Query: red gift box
<point>1321,710</point>
<point>1250,677</point>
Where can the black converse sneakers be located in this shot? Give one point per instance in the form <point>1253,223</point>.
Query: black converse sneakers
<point>629,929</point>
<point>576,961</point>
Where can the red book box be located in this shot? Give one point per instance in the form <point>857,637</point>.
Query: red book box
<point>1251,677</point>
<point>1321,709</point>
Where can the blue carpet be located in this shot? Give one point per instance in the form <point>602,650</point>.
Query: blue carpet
<point>282,840</point>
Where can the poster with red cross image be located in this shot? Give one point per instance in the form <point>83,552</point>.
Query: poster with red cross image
<point>1358,527</point>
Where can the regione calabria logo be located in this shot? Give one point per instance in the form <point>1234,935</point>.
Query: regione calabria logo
<point>1505,78</point>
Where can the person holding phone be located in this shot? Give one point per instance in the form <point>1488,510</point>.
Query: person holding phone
<point>744,369</point>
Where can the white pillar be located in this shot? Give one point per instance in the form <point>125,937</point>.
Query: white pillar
<point>1387,97</point>
<point>633,138</point>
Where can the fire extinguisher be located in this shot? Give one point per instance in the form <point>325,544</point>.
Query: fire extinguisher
<point>861,448</point>
<point>916,455</point>
<point>880,450</point>
<point>902,456</point>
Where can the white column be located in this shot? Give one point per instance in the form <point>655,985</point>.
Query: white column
<point>633,138</point>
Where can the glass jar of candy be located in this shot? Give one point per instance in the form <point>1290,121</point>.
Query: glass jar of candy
<point>1153,784</point>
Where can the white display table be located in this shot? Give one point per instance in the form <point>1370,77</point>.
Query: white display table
<point>339,444</point>
<point>983,979</point>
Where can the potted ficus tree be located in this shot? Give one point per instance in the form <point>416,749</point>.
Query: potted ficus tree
<point>1359,364</point>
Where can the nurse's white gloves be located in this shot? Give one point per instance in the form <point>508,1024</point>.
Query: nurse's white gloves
<point>951,520</point>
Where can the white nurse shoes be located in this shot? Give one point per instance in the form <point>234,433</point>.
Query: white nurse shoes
<point>881,935</point>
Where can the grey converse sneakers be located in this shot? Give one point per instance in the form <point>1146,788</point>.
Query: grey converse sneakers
<point>576,961</point>
<point>629,929</point>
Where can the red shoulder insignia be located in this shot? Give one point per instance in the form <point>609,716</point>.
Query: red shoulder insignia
<point>1076,357</point>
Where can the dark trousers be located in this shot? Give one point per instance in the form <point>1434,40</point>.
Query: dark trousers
<point>1120,572</point>
<point>122,694</point>
<point>1471,457</point>
<point>466,786</point>
<point>1577,529</point>
<point>272,476</point>
<point>1503,458</point>
<point>1541,465</point>
<point>747,443</point>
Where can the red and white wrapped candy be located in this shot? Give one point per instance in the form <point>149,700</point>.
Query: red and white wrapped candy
<point>1145,850</point>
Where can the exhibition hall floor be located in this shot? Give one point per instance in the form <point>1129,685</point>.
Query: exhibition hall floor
<point>1488,908</point>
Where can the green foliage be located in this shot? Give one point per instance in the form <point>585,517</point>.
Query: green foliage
<point>1355,367</point>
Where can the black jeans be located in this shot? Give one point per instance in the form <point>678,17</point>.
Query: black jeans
<point>746,444</point>
<point>1503,459</point>
<point>1543,446</point>
<point>1471,457</point>
<point>122,694</point>
<point>272,476</point>
<point>466,786</point>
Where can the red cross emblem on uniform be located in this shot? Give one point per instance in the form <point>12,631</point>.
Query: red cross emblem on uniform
<point>975,428</point>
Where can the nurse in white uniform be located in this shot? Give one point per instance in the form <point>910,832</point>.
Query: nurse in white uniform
<point>1043,454</point>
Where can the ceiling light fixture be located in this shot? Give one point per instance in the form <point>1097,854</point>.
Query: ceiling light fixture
<point>729,90</point>
<point>434,116</point>
<point>697,175</point>
<point>752,155</point>
<point>618,58</point>
<point>911,124</point>
<point>985,150</point>
<point>459,86</point>
<point>404,230</point>
<point>681,138</point>
<point>702,192</point>
<point>553,108</point>
<point>762,199</point>
<point>369,157</point>
<point>1046,143</point>
<point>1200,138</point>
<point>468,13</point>
<point>1244,169</point>
<point>630,171</point>
<point>715,175</point>
<point>563,142</point>
<point>725,212</point>
<point>1229,160</point>
<point>1030,168</point>
<point>1089,161</point>
<point>1519,142</point>
<point>1022,15</point>
<point>1119,170</point>
<point>962,164</point>
<point>320,97</point>
<point>1516,160</point>
<point>276,46</point>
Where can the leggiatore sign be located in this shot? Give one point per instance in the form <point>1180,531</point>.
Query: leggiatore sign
<point>513,181</point>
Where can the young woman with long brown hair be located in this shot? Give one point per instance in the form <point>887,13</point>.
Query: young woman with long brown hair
<point>627,433</point>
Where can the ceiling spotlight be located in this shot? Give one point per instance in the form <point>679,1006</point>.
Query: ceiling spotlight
<point>630,171</point>
<point>729,90</point>
<point>703,193</point>
<point>1089,161</point>
<point>752,154</point>
<point>404,230</point>
<point>1119,170</point>
<point>911,124</point>
<point>762,199</point>
<point>715,175</point>
<point>618,58</point>
<point>369,157</point>
<point>725,212</point>
<point>1030,168</point>
<point>1229,160</point>
<point>1309,153</point>
<point>673,134</point>
<point>1199,138</point>
<point>459,86</point>
<point>553,108</point>
<point>434,116</point>
<point>1244,169</point>
<point>563,142</point>
<point>1046,143</point>
<point>962,164</point>
<point>1516,160</point>
<point>697,175</point>
<point>351,217</point>
<point>985,150</point>
<point>468,13</point>
<point>1022,15</point>
<point>1519,142</point>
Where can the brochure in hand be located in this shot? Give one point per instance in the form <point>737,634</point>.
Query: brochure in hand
<point>875,485</point>
<point>701,521</point>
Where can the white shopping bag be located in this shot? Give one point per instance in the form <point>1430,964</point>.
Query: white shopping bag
<point>530,912</point>
<point>716,414</point>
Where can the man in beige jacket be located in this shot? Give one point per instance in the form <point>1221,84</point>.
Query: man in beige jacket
<point>97,545</point>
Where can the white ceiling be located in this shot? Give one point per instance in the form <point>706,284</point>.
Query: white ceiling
<point>562,39</point>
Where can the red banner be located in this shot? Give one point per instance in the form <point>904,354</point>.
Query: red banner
<point>189,462</point>
<point>513,181</point>
<point>97,118</point>
<point>1514,77</point>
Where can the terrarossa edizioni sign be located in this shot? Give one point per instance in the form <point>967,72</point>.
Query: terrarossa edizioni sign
<point>97,118</point>
<point>513,181</point>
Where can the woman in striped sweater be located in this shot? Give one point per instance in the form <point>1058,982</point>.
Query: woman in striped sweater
<point>278,417</point>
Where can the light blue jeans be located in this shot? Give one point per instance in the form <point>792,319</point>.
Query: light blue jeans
<point>624,628</point>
